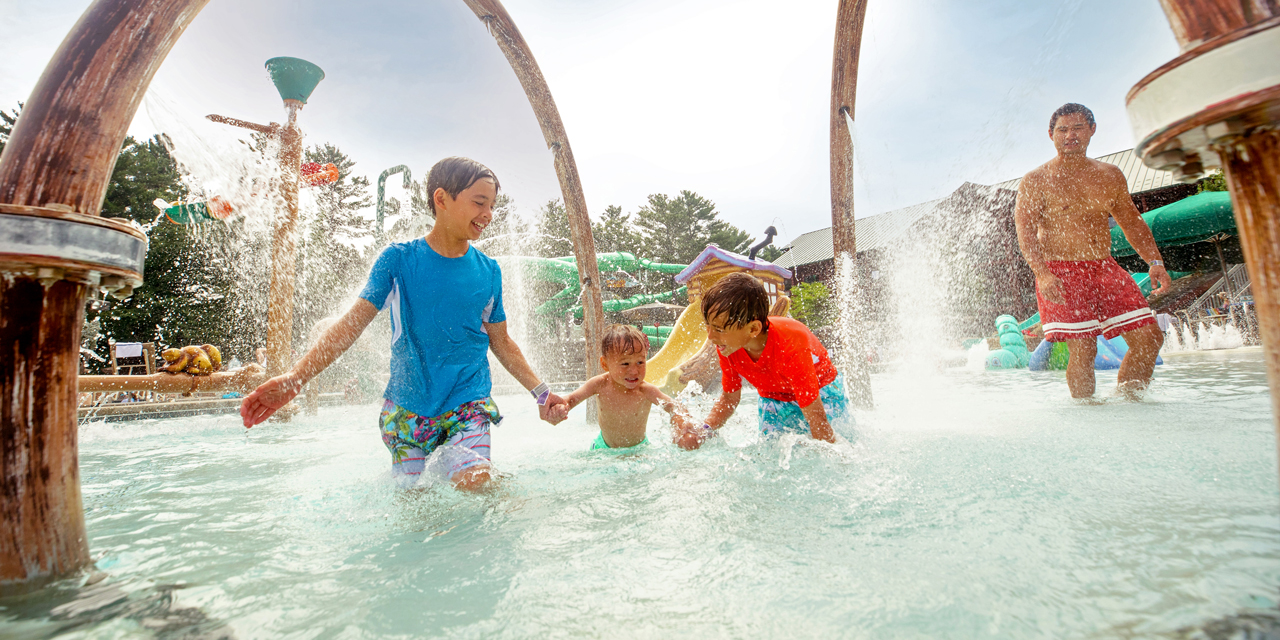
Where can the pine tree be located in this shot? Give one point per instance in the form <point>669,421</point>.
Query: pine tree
<point>552,226</point>
<point>189,293</point>
<point>329,266</point>
<point>7,120</point>
<point>678,229</point>
<point>615,232</point>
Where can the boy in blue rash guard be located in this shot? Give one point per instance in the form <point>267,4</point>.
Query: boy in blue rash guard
<point>445,301</point>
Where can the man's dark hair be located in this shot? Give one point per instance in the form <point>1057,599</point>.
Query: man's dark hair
<point>455,175</point>
<point>623,339</point>
<point>741,297</point>
<point>1068,109</point>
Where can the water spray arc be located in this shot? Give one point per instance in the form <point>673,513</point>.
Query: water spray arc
<point>1218,104</point>
<point>378,230</point>
<point>850,16</point>
<point>295,79</point>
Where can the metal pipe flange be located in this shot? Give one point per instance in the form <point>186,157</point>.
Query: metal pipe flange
<point>1204,97</point>
<point>52,244</point>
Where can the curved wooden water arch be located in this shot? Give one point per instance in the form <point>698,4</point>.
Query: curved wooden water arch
<point>850,16</point>
<point>53,177</point>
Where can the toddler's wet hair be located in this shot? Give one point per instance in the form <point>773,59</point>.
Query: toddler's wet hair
<point>455,175</point>
<point>741,297</point>
<point>623,339</point>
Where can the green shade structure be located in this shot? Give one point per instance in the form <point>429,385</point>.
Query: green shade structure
<point>294,78</point>
<point>1194,219</point>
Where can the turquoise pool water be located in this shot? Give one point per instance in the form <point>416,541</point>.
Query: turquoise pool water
<point>971,504</point>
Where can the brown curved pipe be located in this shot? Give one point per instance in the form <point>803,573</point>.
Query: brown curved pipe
<point>850,16</point>
<point>513,45</point>
<point>61,155</point>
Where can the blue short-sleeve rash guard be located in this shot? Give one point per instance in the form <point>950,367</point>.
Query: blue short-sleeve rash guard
<point>439,347</point>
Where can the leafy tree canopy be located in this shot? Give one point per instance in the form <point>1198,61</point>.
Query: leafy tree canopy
<point>678,229</point>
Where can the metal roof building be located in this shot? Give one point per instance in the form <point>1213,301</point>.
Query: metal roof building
<point>872,232</point>
<point>878,231</point>
<point>1140,176</point>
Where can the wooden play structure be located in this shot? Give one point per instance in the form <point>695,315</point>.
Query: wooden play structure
<point>687,356</point>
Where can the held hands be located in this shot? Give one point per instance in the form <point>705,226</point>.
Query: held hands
<point>268,398</point>
<point>1159,278</point>
<point>688,434</point>
<point>555,411</point>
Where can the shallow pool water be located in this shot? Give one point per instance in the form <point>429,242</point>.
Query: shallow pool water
<point>969,504</point>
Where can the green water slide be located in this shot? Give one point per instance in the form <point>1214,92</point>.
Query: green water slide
<point>565,271</point>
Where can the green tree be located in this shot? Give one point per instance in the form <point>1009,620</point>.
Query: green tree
<point>507,233</point>
<point>189,293</point>
<point>770,253</point>
<point>328,264</point>
<point>678,229</point>
<point>7,120</point>
<point>552,227</point>
<point>614,232</point>
<point>1217,181</point>
<point>811,304</point>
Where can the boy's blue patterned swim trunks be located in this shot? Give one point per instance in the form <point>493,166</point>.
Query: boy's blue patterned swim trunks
<point>777,417</point>
<point>411,437</point>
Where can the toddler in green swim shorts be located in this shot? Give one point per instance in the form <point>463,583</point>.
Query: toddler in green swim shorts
<point>624,396</point>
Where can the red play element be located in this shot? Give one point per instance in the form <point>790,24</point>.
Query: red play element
<point>219,208</point>
<point>315,174</point>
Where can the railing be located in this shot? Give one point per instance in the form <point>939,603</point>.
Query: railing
<point>1205,305</point>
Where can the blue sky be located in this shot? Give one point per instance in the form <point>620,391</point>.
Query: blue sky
<point>727,99</point>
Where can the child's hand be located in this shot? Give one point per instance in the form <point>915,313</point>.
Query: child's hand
<point>688,435</point>
<point>555,411</point>
<point>268,397</point>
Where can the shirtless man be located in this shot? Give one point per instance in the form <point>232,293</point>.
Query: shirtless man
<point>1062,212</point>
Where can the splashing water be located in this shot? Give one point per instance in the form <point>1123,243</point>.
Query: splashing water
<point>976,505</point>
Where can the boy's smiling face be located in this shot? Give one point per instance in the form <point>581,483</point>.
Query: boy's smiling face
<point>625,369</point>
<point>729,338</point>
<point>466,216</point>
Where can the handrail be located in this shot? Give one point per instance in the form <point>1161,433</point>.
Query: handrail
<point>1238,276</point>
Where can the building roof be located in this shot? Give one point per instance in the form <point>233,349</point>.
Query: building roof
<point>732,258</point>
<point>871,232</point>
<point>1140,176</point>
<point>878,231</point>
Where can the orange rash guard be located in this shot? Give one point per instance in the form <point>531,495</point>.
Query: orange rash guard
<point>793,367</point>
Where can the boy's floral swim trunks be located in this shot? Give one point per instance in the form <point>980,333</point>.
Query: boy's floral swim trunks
<point>411,437</point>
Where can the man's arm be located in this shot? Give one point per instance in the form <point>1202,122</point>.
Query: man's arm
<point>1135,229</point>
<point>1026,218</point>
<point>512,359</point>
<point>278,391</point>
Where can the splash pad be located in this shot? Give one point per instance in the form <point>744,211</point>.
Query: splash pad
<point>562,532</point>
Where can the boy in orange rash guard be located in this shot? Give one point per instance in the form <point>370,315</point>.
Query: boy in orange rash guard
<point>800,390</point>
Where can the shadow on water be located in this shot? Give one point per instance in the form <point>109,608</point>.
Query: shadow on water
<point>83,604</point>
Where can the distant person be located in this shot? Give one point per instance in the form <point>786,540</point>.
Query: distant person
<point>445,301</point>
<point>625,398</point>
<point>800,390</point>
<point>261,356</point>
<point>1061,216</point>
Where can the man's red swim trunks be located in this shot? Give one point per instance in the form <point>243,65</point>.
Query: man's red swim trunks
<point>1100,298</point>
